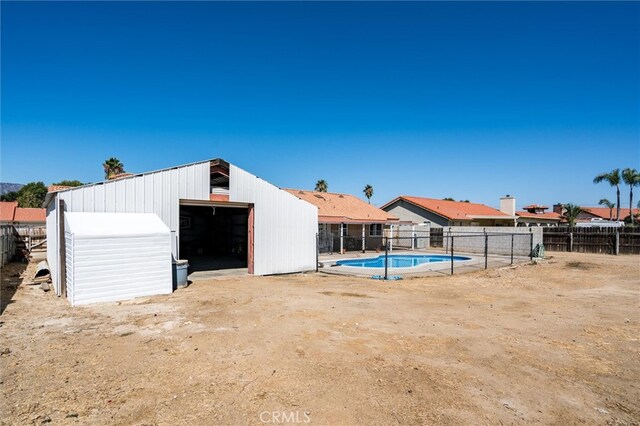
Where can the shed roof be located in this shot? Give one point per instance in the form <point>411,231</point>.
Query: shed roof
<point>114,224</point>
<point>50,195</point>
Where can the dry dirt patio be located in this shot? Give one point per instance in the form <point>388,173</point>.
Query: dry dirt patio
<point>555,342</point>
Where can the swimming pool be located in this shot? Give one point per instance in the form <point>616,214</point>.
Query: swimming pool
<point>399,260</point>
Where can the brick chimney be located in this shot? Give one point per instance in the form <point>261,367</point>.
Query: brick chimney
<point>508,205</point>
<point>558,208</point>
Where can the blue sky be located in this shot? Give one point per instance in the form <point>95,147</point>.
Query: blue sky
<point>464,100</point>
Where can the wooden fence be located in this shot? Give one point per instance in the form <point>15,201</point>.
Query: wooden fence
<point>592,240</point>
<point>30,236</point>
<point>8,239</point>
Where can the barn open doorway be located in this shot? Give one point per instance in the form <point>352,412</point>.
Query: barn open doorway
<point>215,237</point>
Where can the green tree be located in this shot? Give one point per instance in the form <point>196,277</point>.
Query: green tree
<point>68,183</point>
<point>112,167</point>
<point>368,192</point>
<point>632,178</point>
<point>322,185</point>
<point>448,199</point>
<point>613,179</point>
<point>571,213</point>
<point>31,195</point>
<point>9,196</point>
<point>607,203</point>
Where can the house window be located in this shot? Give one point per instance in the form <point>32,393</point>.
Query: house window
<point>345,228</point>
<point>375,230</point>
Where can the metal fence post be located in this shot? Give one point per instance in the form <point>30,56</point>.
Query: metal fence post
<point>386,258</point>
<point>452,255</point>
<point>617,241</point>
<point>486,248</point>
<point>512,249</point>
<point>530,245</point>
<point>317,249</point>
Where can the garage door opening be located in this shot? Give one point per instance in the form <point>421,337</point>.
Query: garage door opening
<point>215,238</point>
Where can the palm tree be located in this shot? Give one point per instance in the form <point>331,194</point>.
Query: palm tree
<point>112,167</point>
<point>632,178</point>
<point>368,192</point>
<point>571,213</point>
<point>607,203</point>
<point>613,179</point>
<point>322,185</point>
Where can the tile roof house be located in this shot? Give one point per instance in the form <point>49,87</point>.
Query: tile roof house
<point>10,213</point>
<point>346,222</point>
<point>589,213</point>
<point>442,213</point>
<point>535,215</point>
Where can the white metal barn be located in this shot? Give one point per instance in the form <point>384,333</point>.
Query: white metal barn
<point>219,216</point>
<point>116,256</point>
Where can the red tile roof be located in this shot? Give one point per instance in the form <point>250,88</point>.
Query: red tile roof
<point>30,215</point>
<point>535,206</point>
<point>547,215</point>
<point>604,212</point>
<point>343,208</point>
<point>56,188</point>
<point>454,210</point>
<point>8,210</point>
<point>120,176</point>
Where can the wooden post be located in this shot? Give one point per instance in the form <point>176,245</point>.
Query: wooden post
<point>617,247</point>
<point>570,240</point>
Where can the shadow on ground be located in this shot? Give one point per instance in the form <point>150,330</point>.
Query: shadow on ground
<point>11,279</point>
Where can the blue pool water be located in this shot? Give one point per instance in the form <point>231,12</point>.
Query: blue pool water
<point>399,260</point>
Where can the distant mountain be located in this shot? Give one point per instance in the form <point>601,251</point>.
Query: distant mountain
<point>5,187</point>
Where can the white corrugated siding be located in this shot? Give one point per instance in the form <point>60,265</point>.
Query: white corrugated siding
<point>52,242</point>
<point>285,227</point>
<point>157,192</point>
<point>108,268</point>
<point>68,240</point>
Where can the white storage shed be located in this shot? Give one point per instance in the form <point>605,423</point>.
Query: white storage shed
<point>116,256</point>
<point>218,215</point>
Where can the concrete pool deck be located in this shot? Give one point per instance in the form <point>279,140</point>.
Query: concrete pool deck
<point>475,263</point>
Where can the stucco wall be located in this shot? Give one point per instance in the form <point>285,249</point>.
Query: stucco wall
<point>499,240</point>
<point>410,212</point>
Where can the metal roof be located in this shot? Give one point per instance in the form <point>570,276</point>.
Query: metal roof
<point>51,195</point>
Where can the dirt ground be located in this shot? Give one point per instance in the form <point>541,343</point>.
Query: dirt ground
<point>555,342</point>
